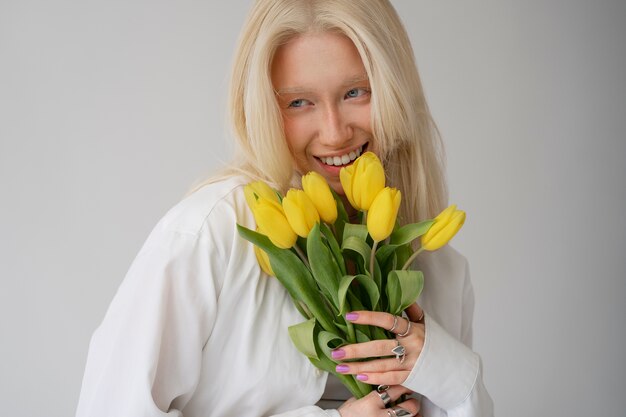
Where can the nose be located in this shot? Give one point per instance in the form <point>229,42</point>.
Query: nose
<point>336,128</point>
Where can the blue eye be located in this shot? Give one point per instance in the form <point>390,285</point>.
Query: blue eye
<point>356,92</point>
<point>297,103</point>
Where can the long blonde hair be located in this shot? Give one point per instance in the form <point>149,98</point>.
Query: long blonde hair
<point>406,137</point>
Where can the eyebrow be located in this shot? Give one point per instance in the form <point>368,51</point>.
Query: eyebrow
<point>301,90</point>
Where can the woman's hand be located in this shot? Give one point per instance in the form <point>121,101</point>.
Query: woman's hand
<point>390,369</point>
<point>372,404</point>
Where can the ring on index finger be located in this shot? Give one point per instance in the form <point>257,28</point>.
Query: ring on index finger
<point>395,324</point>
<point>408,329</point>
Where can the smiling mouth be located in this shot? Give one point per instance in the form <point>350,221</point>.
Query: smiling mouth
<point>341,160</point>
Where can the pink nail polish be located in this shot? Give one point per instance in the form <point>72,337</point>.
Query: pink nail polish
<point>352,316</point>
<point>338,353</point>
<point>361,377</point>
<point>342,368</point>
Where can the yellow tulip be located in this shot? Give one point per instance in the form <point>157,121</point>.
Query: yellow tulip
<point>362,180</point>
<point>317,189</point>
<point>381,217</point>
<point>300,212</point>
<point>446,224</point>
<point>257,189</point>
<point>264,260</point>
<point>272,222</point>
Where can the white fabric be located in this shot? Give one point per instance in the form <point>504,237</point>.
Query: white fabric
<point>197,330</point>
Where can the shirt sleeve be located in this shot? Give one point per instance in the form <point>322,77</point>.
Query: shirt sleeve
<point>448,373</point>
<point>137,363</point>
<point>311,411</point>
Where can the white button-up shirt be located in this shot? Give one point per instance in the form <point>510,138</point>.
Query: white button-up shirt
<point>196,329</point>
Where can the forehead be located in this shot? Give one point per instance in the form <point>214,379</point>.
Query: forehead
<point>316,59</point>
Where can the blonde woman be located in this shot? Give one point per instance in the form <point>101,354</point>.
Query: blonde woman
<point>197,329</point>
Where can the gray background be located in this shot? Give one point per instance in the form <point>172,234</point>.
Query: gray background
<point>109,111</point>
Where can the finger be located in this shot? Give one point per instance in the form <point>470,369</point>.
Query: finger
<point>371,367</point>
<point>384,378</point>
<point>394,393</point>
<point>415,313</point>
<point>371,349</point>
<point>411,405</point>
<point>386,321</point>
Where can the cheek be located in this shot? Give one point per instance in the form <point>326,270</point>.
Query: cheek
<point>296,134</point>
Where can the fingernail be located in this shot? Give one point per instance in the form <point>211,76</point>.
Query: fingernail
<point>338,353</point>
<point>361,377</point>
<point>342,368</point>
<point>352,316</point>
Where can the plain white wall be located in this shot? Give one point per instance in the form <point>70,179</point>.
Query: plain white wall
<point>109,111</point>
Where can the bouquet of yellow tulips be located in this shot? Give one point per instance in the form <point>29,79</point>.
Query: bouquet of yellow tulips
<point>330,266</point>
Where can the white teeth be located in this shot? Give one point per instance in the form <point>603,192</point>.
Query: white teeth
<point>343,159</point>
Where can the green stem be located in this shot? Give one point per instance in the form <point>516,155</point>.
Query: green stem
<point>412,258</point>
<point>351,332</point>
<point>373,257</point>
<point>302,256</point>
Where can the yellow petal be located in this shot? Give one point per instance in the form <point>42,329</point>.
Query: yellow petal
<point>446,232</point>
<point>439,223</point>
<point>264,261</point>
<point>317,189</point>
<point>300,212</point>
<point>254,190</point>
<point>345,176</point>
<point>383,212</point>
<point>270,218</point>
<point>368,179</point>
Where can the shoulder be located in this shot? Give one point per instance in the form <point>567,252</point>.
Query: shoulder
<point>197,237</point>
<point>213,203</point>
<point>204,222</point>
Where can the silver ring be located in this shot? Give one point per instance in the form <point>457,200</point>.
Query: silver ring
<point>399,351</point>
<point>385,397</point>
<point>395,323</point>
<point>382,388</point>
<point>400,412</point>
<point>408,329</point>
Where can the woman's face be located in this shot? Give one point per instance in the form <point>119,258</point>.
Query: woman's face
<point>324,96</point>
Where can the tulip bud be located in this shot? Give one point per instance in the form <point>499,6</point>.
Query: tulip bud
<point>257,189</point>
<point>264,260</point>
<point>300,212</point>
<point>382,214</point>
<point>445,226</point>
<point>362,180</point>
<point>271,220</point>
<point>317,189</point>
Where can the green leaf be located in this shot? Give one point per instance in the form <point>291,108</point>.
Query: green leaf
<point>334,247</point>
<point>409,232</point>
<point>303,337</point>
<point>293,275</point>
<point>328,341</point>
<point>360,247</point>
<point>366,281</point>
<point>342,215</point>
<point>403,288</point>
<point>354,230</point>
<point>384,252</point>
<point>324,268</point>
